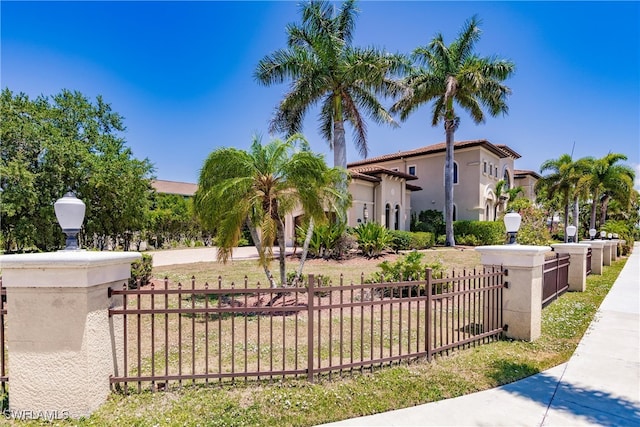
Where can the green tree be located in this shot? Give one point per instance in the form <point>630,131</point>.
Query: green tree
<point>259,188</point>
<point>66,142</point>
<point>606,180</point>
<point>561,179</point>
<point>449,75</point>
<point>324,68</point>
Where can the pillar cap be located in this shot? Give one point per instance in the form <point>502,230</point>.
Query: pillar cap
<point>66,269</point>
<point>513,255</point>
<point>571,248</point>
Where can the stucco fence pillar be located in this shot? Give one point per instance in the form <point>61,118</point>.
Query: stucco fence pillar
<point>577,263</point>
<point>597,255</point>
<point>62,344</point>
<point>614,249</point>
<point>522,300</point>
<point>608,250</point>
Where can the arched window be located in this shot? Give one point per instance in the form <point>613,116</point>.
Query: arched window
<point>487,213</point>
<point>387,215</point>
<point>455,173</point>
<point>397,212</point>
<point>507,180</point>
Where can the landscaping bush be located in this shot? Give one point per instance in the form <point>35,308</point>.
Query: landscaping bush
<point>486,232</point>
<point>405,240</point>
<point>372,239</point>
<point>533,228</point>
<point>468,240</point>
<point>141,271</point>
<point>409,268</point>
<point>329,240</point>
<point>431,221</point>
<point>422,240</point>
<point>624,233</point>
<point>401,240</point>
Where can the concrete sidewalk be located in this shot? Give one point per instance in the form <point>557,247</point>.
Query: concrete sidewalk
<point>599,385</point>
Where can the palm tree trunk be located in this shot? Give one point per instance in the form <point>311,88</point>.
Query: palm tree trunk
<point>566,222</point>
<point>305,250</point>
<point>282,254</point>
<point>258,244</point>
<point>593,209</point>
<point>449,127</point>
<point>603,209</point>
<point>339,145</point>
<point>576,217</point>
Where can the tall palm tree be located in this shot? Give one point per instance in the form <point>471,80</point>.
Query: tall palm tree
<point>324,68</point>
<point>606,180</point>
<point>562,179</point>
<point>449,75</point>
<point>259,188</point>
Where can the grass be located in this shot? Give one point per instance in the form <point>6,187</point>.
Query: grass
<point>300,403</point>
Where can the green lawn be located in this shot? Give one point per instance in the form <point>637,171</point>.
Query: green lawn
<point>299,403</point>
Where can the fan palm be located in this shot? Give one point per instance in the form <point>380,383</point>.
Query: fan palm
<point>454,73</point>
<point>324,68</point>
<point>259,188</point>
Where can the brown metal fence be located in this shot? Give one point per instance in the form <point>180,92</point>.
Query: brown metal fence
<point>589,256</point>
<point>555,278</point>
<point>4,379</point>
<point>198,334</point>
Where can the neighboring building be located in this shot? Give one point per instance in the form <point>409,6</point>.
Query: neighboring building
<point>478,166</point>
<point>185,189</point>
<point>527,180</point>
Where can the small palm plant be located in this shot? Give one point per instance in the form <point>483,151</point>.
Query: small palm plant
<point>372,239</point>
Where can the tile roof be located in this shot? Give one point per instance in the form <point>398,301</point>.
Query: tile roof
<point>375,170</point>
<point>174,187</point>
<point>521,172</point>
<point>435,148</point>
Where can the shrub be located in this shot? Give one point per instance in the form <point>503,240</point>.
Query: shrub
<point>408,268</point>
<point>422,240</point>
<point>372,239</point>
<point>401,240</point>
<point>468,240</point>
<point>141,271</point>
<point>329,240</point>
<point>431,221</point>
<point>624,233</point>
<point>486,232</point>
<point>533,228</point>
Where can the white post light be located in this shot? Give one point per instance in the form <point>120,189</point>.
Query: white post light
<point>512,222</point>
<point>571,233</point>
<point>609,236</point>
<point>592,233</point>
<point>70,214</point>
<point>603,234</point>
<point>615,235</point>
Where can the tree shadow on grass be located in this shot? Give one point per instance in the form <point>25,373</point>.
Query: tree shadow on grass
<point>593,405</point>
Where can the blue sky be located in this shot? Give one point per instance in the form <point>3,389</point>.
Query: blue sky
<point>181,73</point>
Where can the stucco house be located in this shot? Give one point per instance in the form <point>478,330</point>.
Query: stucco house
<point>388,188</point>
<point>478,166</point>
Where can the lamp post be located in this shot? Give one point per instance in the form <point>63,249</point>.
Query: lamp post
<point>512,222</point>
<point>571,233</point>
<point>70,214</point>
<point>592,233</point>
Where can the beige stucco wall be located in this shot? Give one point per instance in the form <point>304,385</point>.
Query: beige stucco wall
<point>528,184</point>
<point>474,189</point>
